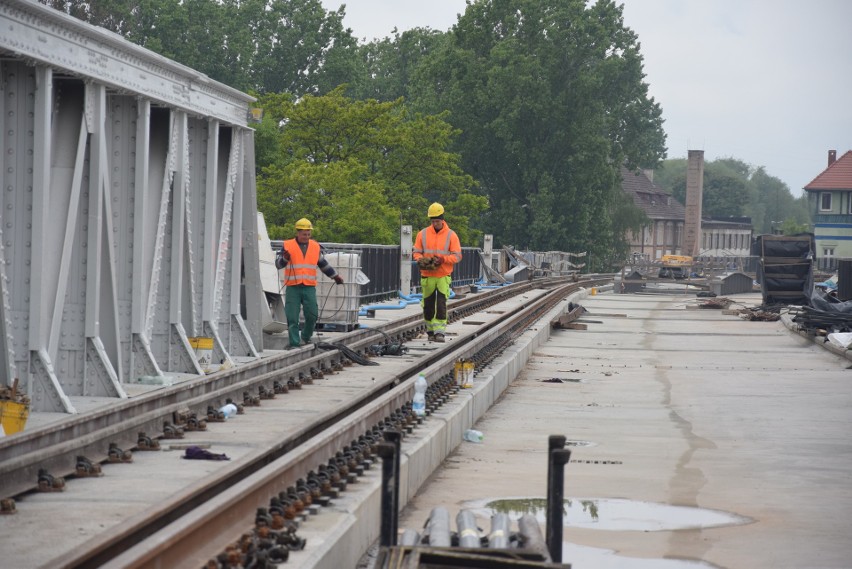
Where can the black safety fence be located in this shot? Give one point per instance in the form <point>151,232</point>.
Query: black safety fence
<point>380,263</point>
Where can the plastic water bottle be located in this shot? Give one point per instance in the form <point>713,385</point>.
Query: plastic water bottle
<point>419,403</point>
<point>229,410</point>
<point>473,436</point>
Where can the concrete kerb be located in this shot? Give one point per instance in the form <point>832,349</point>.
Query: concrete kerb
<point>357,526</point>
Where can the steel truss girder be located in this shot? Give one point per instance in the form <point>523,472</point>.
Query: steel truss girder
<point>124,223</point>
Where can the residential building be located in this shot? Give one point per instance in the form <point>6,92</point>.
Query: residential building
<point>664,234</point>
<point>830,203</point>
<point>725,237</point>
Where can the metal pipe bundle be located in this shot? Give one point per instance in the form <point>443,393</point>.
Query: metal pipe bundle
<point>468,532</point>
<point>532,537</point>
<point>409,538</point>
<point>499,536</point>
<point>438,528</point>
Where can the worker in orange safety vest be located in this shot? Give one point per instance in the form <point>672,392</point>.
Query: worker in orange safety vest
<point>436,250</point>
<point>299,258</point>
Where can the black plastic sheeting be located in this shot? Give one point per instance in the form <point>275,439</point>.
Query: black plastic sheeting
<point>786,268</point>
<point>783,246</point>
<point>825,313</point>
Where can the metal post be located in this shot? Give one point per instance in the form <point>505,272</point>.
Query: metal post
<point>558,459</point>
<point>554,442</point>
<point>406,246</point>
<point>487,254</point>
<point>387,451</point>
<point>395,438</point>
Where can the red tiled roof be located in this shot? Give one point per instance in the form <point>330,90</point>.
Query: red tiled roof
<point>648,197</point>
<point>838,176</point>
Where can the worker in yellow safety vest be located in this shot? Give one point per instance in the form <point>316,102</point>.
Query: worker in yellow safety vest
<point>299,258</point>
<point>436,250</point>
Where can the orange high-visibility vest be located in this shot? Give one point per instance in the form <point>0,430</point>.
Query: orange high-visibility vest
<point>302,267</point>
<point>445,243</point>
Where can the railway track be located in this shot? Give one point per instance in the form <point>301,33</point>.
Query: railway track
<point>183,528</point>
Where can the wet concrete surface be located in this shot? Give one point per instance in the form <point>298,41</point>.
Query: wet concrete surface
<point>683,407</point>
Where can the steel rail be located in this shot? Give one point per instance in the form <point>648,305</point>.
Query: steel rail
<point>55,447</point>
<point>201,531</point>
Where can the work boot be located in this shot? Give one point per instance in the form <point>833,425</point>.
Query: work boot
<point>439,338</point>
<point>430,336</point>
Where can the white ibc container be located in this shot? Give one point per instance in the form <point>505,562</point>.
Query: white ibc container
<point>339,304</point>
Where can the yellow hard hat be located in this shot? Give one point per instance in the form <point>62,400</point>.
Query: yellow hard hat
<point>304,223</point>
<point>436,210</point>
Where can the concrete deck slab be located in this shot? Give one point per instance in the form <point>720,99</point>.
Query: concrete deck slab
<point>683,407</point>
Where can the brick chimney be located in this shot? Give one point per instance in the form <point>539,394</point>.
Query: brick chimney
<point>832,156</point>
<point>694,195</point>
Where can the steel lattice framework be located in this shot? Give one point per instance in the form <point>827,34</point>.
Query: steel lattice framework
<point>127,212</point>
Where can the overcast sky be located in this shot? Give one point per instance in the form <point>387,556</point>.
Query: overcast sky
<point>766,81</point>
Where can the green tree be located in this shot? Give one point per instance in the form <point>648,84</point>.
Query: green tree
<point>791,227</point>
<point>725,195</point>
<point>253,45</point>
<point>301,48</point>
<point>777,204</point>
<point>626,217</point>
<point>360,169</point>
<point>390,63</point>
<point>551,101</point>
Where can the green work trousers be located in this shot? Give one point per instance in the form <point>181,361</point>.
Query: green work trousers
<point>296,298</point>
<point>436,291</point>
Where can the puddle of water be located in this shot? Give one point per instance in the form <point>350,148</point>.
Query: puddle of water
<point>612,514</point>
<point>584,557</point>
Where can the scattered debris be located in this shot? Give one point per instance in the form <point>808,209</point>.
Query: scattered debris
<point>7,507</point>
<point>821,322</point>
<point>567,320</point>
<point>840,339</point>
<point>720,303</point>
<point>198,453</point>
<point>14,409</point>
<point>755,315</point>
<point>12,394</point>
<point>560,380</point>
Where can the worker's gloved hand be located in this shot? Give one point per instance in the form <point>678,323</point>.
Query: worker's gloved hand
<point>282,258</point>
<point>338,279</point>
<point>437,260</point>
<point>424,262</point>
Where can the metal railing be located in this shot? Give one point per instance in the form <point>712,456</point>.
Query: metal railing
<point>381,265</point>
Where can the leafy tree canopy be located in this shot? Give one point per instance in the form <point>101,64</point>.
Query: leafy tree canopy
<point>389,64</point>
<point>546,101</point>
<point>550,100</point>
<point>360,169</point>
<point>253,45</point>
